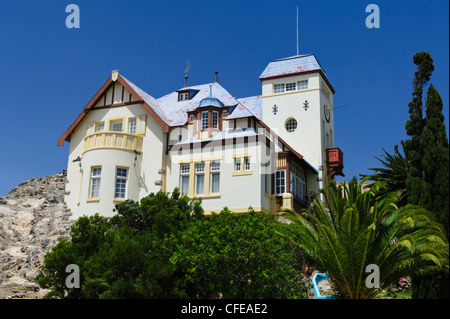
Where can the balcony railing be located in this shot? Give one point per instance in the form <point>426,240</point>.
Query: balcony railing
<point>113,140</point>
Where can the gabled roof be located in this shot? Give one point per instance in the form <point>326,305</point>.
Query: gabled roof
<point>248,106</point>
<point>148,102</point>
<point>296,64</point>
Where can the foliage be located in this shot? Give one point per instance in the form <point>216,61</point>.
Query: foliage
<point>163,247</point>
<point>435,161</point>
<point>393,174</point>
<point>237,256</point>
<point>360,228</point>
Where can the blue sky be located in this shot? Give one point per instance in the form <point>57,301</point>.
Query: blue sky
<point>49,72</point>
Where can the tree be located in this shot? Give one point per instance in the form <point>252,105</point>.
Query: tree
<point>238,256</point>
<point>355,229</point>
<point>435,161</point>
<point>122,257</point>
<point>393,174</point>
<point>163,247</point>
<point>414,128</point>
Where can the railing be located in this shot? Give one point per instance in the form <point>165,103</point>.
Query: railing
<point>113,140</point>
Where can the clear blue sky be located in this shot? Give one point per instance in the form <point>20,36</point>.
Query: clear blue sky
<point>49,72</point>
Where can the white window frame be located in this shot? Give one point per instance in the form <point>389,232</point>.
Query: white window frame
<point>237,164</point>
<point>184,96</point>
<point>247,165</point>
<point>185,170</point>
<point>199,173</point>
<point>278,88</point>
<point>302,85</point>
<point>205,120</point>
<point>122,192</point>
<point>215,120</point>
<point>280,189</point>
<point>215,171</point>
<point>96,176</point>
<point>290,86</point>
<point>132,128</point>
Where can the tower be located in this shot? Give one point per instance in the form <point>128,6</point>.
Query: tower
<point>297,103</point>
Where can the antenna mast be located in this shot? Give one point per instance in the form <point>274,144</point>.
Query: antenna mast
<point>297,29</point>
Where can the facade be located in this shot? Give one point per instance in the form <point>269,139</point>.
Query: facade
<point>267,151</point>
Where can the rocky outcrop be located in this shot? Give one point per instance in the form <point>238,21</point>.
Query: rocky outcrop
<point>33,217</point>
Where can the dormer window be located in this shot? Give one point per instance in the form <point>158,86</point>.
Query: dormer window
<point>183,96</point>
<point>186,94</point>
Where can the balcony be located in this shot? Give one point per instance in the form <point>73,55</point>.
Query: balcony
<point>335,161</point>
<point>113,140</point>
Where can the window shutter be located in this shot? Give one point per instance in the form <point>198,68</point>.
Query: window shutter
<point>140,124</point>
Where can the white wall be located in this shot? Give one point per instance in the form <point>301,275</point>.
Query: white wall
<point>142,173</point>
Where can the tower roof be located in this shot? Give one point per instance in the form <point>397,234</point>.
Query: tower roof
<point>296,64</point>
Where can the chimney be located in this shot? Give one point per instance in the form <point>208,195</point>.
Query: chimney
<point>217,72</point>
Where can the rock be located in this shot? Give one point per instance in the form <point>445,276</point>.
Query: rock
<point>32,218</point>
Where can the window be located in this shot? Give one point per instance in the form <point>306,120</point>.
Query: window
<point>132,126</point>
<point>199,178</point>
<point>247,163</point>
<point>224,112</point>
<point>280,181</point>
<point>215,177</point>
<point>237,164</point>
<point>191,117</point>
<point>278,88</point>
<point>116,126</point>
<point>96,173</point>
<point>291,125</point>
<point>121,182</point>
<point>184,180</point>
<point>215,120</point>
<point>302,85</point>
<point>100,126</point>
<point>290,86</point>
<point>297,182</point>
<point>205,120</point>
<point>183,96</point>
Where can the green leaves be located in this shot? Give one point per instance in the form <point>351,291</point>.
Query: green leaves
<point>357,228</point>
<point>163,247</point>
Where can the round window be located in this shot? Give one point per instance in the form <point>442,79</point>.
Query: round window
<point>291,125</point>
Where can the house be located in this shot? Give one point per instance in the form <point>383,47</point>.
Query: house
<point>266,151</point>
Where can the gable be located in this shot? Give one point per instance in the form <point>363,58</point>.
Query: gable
<point>114,93</point>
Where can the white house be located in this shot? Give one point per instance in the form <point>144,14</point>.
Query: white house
<point>267,151</point>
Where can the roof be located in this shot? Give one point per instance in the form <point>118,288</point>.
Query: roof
<point>296,64</point>
<point>176,111</point>
<point>248,106</point>
<point>291,65</point>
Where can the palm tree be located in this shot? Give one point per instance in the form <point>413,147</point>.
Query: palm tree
<point>355,229</point>
<point>393,173</point>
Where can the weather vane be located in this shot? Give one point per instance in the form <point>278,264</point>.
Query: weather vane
<point>188,66</point>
